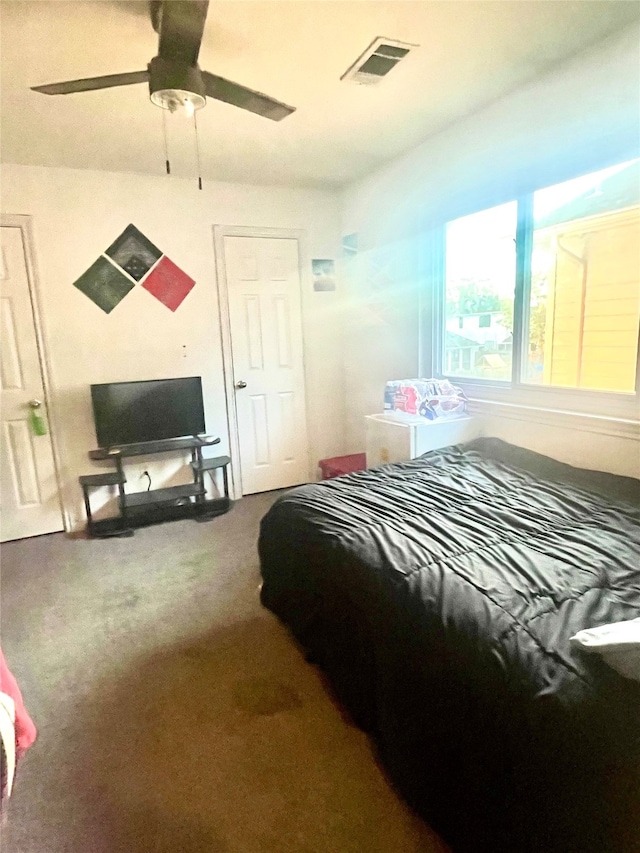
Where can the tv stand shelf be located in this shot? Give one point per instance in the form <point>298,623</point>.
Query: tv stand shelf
<point>157,496</point>
<point>142,508</point>
<point>149,447</point>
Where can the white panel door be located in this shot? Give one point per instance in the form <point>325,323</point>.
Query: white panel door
<point>263,282</point>
<point>29,490</point>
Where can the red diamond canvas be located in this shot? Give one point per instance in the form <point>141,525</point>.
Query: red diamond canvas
<point>168,283</point>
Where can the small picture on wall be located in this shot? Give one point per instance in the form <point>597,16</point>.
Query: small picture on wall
<point>324,276</point>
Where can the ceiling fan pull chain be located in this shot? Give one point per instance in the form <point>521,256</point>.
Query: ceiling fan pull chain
<point>166,150</point>
<point>195,125</point>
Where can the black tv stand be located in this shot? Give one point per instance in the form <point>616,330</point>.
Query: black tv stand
<point>137,509</point>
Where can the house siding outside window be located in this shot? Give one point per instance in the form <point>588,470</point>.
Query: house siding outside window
<point>555,279</point>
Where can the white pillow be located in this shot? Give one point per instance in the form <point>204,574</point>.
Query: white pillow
<point>8,744</point>
<point>618,644</point>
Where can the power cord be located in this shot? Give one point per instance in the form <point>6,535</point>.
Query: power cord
<point>146,474</point>
<point>214,483</point>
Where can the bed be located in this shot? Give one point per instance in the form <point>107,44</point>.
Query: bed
<point>439,596</point>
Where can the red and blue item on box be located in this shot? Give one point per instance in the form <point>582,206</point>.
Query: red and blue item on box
<point>427,398</point>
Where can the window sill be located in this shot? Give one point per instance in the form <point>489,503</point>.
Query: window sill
<point>620,427</point>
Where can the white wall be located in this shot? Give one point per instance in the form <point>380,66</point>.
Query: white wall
<point>581,117</point>
<point>77,214</point>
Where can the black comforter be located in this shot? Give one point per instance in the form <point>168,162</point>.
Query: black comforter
<point>439,595</point>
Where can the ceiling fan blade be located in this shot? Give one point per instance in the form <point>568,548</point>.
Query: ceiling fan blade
<point>246,99</point>
<point>180,24</point>
<point>91,83</point>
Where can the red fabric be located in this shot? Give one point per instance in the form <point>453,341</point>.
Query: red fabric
<point>25,729</point>
<point>338,465</point>
<point>168,283</point>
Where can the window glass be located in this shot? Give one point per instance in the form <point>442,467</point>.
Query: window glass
<point>584,306</point>
<point>480,274</point>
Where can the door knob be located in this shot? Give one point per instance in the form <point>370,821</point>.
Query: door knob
<point>241,384</point>
<point>35,404</point>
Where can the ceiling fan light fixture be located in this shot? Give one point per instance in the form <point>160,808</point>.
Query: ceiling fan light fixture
<point>173,86</point>
<point>175,99</point>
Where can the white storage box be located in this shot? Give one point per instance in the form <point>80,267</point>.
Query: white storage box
<point>392,440</point>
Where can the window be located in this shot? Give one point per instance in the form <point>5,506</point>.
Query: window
<point>480,270</point>
<point>585,282</point>
<point>560,306</point>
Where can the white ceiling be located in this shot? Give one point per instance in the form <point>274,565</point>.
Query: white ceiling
<point>471,52</point>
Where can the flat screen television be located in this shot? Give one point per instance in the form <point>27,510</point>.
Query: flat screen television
<point>154,410</point>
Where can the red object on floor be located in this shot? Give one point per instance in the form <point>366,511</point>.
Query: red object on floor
<point>25,729</point>
<point>338,465</point>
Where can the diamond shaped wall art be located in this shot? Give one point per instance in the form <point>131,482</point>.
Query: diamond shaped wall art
<point>168,283</point>
<point>132,258</point>
<point>133,252</point>
<point>104,284</point>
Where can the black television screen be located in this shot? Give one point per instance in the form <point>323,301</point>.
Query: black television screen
<point>135,412</point>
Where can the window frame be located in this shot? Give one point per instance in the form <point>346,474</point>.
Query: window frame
<point>616,405</point>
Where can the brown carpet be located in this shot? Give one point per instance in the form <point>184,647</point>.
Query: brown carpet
<point>175,714</point>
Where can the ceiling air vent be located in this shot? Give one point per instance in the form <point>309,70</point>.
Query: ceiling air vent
<point>378,59</point>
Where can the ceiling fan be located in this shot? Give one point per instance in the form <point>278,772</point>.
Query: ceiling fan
<point>174,78</point>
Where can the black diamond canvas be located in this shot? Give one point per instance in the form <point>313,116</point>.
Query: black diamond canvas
<point>133,252</point>
<point>104,284</point>
<point>136,267</point>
